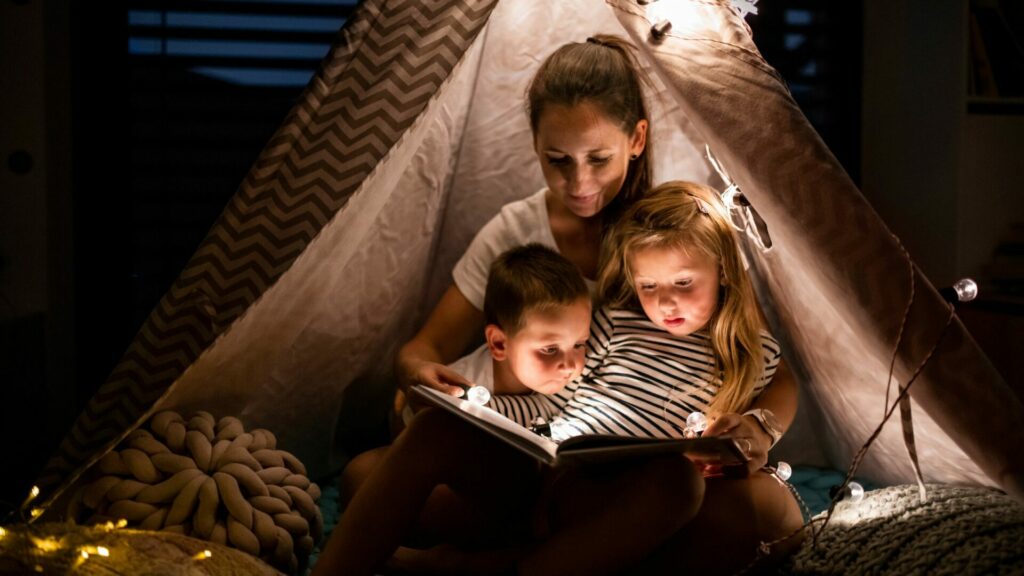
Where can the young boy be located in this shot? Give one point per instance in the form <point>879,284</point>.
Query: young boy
<point>537,308</point>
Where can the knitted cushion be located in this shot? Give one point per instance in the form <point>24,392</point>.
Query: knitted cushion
<point>957,530</point>
<point>208,479</point>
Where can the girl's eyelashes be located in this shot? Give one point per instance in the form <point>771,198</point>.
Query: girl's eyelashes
<point>559,161</point>
<point>549,350</point>
<point>684,283</point>
<point>599,161</point>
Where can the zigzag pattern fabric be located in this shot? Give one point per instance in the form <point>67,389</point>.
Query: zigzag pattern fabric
<point>390,59</point>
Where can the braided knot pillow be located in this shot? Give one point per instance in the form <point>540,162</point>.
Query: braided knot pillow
<point>209,479</point>
<point>957,530</point>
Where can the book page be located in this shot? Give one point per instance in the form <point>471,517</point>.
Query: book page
<point>492,422</point>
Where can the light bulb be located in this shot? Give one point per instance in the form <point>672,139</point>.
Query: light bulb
<point>966,289</point>
<point>478,395</point>
<point>783,471</point>
<point>696,423</point>
<point>541,427</point>
<point>855,492</point>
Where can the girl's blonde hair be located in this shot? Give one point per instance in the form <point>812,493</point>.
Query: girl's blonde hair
<point>691,218</point>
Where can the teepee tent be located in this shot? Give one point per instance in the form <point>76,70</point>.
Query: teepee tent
<point>412,134</point>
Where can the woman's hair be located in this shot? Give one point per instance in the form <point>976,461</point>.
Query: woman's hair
<point>602,71</point>
<point>691,218</point>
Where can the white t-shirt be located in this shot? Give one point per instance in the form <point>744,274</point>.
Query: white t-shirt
<point>518,223</point>
<point>477,367</point>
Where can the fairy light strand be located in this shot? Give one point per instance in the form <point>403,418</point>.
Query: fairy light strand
<point>764,549</point>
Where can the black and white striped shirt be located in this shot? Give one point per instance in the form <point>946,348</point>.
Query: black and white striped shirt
<point>640,380</point>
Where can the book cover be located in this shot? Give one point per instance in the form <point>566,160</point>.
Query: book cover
<point>583,448</point>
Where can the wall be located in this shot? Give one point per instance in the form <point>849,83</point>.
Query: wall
<point>914,103</point>
<point>945,181</point>
<point>991,187</point>
<point>36,292</point>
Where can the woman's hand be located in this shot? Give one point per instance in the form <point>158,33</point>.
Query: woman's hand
<point>751,438</point>
<point>451,328</point>
<point>436,376</point>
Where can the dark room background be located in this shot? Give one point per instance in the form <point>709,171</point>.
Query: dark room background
<point>129,125</point>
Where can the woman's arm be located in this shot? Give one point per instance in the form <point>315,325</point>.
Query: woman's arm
<point>781,398</point>
<point>451,328</point>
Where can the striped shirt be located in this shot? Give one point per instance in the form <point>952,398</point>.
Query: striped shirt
<point>640,380</point>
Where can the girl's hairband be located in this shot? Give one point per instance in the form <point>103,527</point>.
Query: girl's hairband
<point>702,207</point>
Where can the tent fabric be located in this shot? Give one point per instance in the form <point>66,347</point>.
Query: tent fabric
<point>838,280</point>
<point>368,90</point>
<point>413,134</point>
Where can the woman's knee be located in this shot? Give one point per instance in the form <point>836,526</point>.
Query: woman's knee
<point>357,471</point>
<point>677,486</point>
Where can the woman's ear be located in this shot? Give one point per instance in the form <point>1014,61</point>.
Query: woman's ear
<point>496,342</point>
<point>639,140</point>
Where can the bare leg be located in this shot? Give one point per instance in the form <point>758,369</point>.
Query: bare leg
<point>607,518</point>
<point>603,520</point>
<point>737,516</point>
<point>357,471</point>
<point>445,515</point>
<point>436,449</point>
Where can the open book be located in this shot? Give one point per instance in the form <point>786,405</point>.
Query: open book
<point>584,448</point>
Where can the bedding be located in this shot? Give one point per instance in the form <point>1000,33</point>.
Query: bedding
<point>956,530</point>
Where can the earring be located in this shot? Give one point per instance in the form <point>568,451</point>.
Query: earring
<point>634,156</point>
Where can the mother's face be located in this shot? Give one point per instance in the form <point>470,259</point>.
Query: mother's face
<point>585,155</point>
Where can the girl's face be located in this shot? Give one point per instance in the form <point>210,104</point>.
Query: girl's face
<point>585,155</point>
<point>678,291</point>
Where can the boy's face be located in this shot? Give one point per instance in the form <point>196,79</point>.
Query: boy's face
<point>547,352</point>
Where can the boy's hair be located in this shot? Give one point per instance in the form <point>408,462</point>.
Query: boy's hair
<point>526,278</point>
<point>692,218</point>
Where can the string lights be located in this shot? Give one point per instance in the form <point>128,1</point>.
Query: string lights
<point>783,471</point>
<point>696,423</point>
<point>476,394</point>
<point>963,290</point>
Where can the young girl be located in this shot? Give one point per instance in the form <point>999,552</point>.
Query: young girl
<point>680,332</point>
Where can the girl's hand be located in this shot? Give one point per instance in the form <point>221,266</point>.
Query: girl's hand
<point>436,376</point>
<point>752,439</point>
